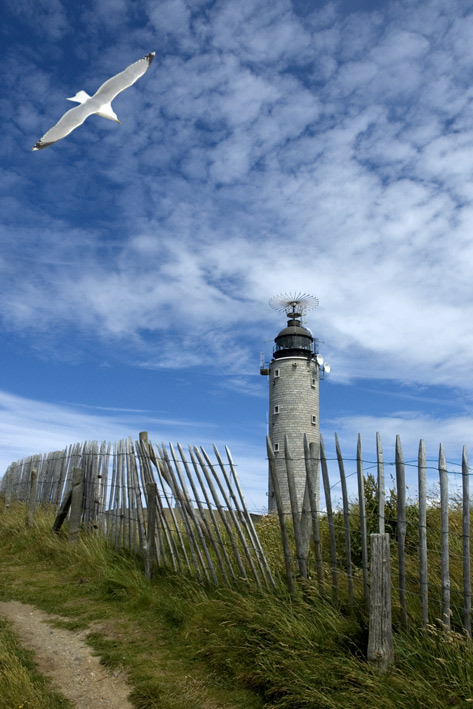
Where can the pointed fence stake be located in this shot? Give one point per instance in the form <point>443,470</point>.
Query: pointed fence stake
<point>445,571</point>
<point>346,520</point>
<point>32,499</point>
<point>301,552</point>
<point>330,520</point>
<point>466,544</point>
<point>363,531</point>
<point>401,529</point>
<point>311,455</point>
<point>381,484</point>
<point>281,514</point>
<point>77,502</point>
<point>423,562</point>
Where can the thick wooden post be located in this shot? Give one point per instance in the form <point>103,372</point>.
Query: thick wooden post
<point>32,498</point>
<point>76,503</point>
<point>380,641</point>
<point>150,549</point>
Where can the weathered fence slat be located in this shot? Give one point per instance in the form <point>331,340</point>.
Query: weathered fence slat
<point>445,570</point>
<point>401,529</point>
<point>32,499</point>
<point>423,563</point>
<point>381,485</point>
<point>346,521</point>
<point>296,519</point>
<point>311,466</point>
<point>363,531</point>
<point>9,485</point>
<point>330,520</point>
<point>466,543</point>
<point>380,642</point>
<point>77,501</point>
<point>281,514</point>
<point>151,552</point>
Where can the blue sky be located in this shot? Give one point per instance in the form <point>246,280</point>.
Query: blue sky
<point>273,146</point>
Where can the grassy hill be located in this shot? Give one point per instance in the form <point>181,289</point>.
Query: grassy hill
<point>183,644</point>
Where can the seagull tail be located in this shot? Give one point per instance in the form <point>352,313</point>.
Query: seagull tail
<point>80,97</point>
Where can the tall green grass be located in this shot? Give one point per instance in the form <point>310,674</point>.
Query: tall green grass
<point>20,683</point>
<point>183,643</point>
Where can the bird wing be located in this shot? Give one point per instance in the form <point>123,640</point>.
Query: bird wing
<point>112,87</point>
<point>70,121</point>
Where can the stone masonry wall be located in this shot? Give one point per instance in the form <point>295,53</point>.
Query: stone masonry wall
<point>293,402</point>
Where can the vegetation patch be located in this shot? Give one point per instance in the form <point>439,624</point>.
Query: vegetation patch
<point>181,643</point>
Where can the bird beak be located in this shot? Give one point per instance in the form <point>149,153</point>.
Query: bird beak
<point>118,121</point>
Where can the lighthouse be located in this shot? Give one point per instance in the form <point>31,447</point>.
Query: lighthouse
<point>294,374</point>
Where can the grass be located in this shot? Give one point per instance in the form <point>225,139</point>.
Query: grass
<point>20,684</point>
<point>181,643</point>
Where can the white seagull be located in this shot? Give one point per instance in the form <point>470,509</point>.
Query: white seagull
<point>100,103</point>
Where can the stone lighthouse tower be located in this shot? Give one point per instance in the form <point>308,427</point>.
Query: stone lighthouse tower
<point>294,373</point>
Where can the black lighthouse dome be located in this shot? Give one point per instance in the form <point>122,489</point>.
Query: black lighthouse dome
<point>295,340</point>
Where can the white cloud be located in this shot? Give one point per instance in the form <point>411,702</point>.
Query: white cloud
<point>328,152</point>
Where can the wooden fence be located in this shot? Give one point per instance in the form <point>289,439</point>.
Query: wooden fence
<point>184,511</point>
<point>421,592</point>
<point>179,510</point>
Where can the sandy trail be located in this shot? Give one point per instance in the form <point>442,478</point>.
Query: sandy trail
<point>64,656</point>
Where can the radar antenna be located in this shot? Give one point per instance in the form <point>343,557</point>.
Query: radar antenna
<point>294,304</point>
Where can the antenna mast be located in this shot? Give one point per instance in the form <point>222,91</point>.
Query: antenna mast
<point>295,305</point>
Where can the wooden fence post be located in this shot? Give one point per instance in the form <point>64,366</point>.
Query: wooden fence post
<point>466,544</point>
<point>301,552</point>
<point>444,544</point>
<point>76,503</point>
<point>9,486</point>
<point>346,522</point>
<point>401,529</point>
<point>281,515</point>
<point>363,531</point>
<point>381,485</point>
<point>423,563</point>
<point>330,520</point>
<point>32,498</point>
<point>311,455</point>
<point>380,642</point>
<point>150,558</point>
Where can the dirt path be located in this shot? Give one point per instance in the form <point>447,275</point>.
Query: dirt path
<point>63,656</point>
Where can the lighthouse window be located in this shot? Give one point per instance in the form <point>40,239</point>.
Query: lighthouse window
<point>276,373</point>
<point>276,409</point>
<point>276,447</point>
<point>314,420</point>
<point>313,383</point>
